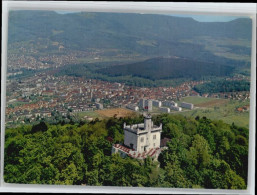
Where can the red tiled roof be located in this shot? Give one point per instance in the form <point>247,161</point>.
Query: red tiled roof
<point>135,154</point>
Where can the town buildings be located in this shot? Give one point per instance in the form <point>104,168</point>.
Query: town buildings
<point>157,103</point>
<point>39,95</point>
<point>165,109</point>
<point>187,105</point>
<point>132,107</point>
<point>176,108</point>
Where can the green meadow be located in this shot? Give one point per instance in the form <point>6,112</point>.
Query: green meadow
<point>91,114</point>
<point>196,99</point>
<point>218,109</point>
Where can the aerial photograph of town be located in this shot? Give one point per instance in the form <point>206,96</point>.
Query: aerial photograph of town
<point>127,99</point>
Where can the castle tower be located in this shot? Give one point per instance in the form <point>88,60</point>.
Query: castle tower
<point>148,122</point>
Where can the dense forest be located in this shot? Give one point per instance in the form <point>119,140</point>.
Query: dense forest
<point>220,86</point>
<point>154,72</point>
<point>201,153</point>
<point>88,71</point>
<point>168,68</point>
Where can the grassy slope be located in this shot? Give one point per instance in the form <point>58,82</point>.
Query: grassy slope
<point>223,111</point>
<point>196,99</point>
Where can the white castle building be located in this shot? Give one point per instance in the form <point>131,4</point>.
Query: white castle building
<point>140,140</point>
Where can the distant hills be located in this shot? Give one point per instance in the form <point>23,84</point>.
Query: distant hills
<point>144,34</point>
<point>187,47</point>
<point>131,27</point>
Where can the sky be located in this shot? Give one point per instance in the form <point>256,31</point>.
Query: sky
<point>209,18</point>
<point>199,18</point>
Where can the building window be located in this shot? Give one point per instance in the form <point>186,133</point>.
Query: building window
<point>142,139</point>
<point>154,136</point>
<point>154,145</point>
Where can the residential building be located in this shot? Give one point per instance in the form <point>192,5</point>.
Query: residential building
<point>132,107</point>
<point>165,109</point>
<point>99,106</point>
<point>187,105</point>
<point>176,108</point>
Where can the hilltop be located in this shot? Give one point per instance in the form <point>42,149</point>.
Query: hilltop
<point>168,68</point>
<point>113,35</point>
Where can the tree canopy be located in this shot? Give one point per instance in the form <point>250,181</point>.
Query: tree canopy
<point>201,153</point>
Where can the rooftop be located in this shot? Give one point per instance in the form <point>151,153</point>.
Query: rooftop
<point>138,155</point>
<point>140,128</point>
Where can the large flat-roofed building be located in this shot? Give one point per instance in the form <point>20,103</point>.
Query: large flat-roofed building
<point>187,105</point>
<point>132,107</point>
<point>149,105</point>
<point>142,103</point>
<point>140,140</point>
<point>169,103</point>
<point>165,109</point>
<point>176,108</point>
<point>157,103</point>
<point>146,104</point>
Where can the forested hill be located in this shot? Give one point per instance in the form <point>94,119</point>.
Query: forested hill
<point>168,68</point>
<point>201,153</point>
<point>148,35</point>
<point>34,24</point>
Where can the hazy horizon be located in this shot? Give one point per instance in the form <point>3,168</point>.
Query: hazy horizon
<point>199,18</point>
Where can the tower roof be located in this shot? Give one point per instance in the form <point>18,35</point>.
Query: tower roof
<point>147,115</point>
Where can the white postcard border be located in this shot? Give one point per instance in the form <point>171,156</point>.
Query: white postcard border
<point>230,9</point>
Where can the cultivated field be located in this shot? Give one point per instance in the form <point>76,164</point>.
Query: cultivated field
<point>218,109</point>
<point>118,112</point>
<point>202,101</point>
<point>212,103</point>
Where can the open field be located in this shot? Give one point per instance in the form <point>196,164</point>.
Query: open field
<point>212,103</point>
<point>198,101</point>
<point>213,108</point>
<point>240,119</point>
<point>223,47</point>
<point>91,114</point>
<point>119,112</point>
<point>219,109</point>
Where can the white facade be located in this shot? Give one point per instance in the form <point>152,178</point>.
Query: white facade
<point>169,103</point>
<point>164,109</point>
<point>157,103</point>
<point>176,108</point>
<point>142,137</point>
<point>149,105</point>
<point>146,104</point>
<point>142,103</point>
<point>99,106</point>
<point>132,107</point>
<point>187,105</point>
